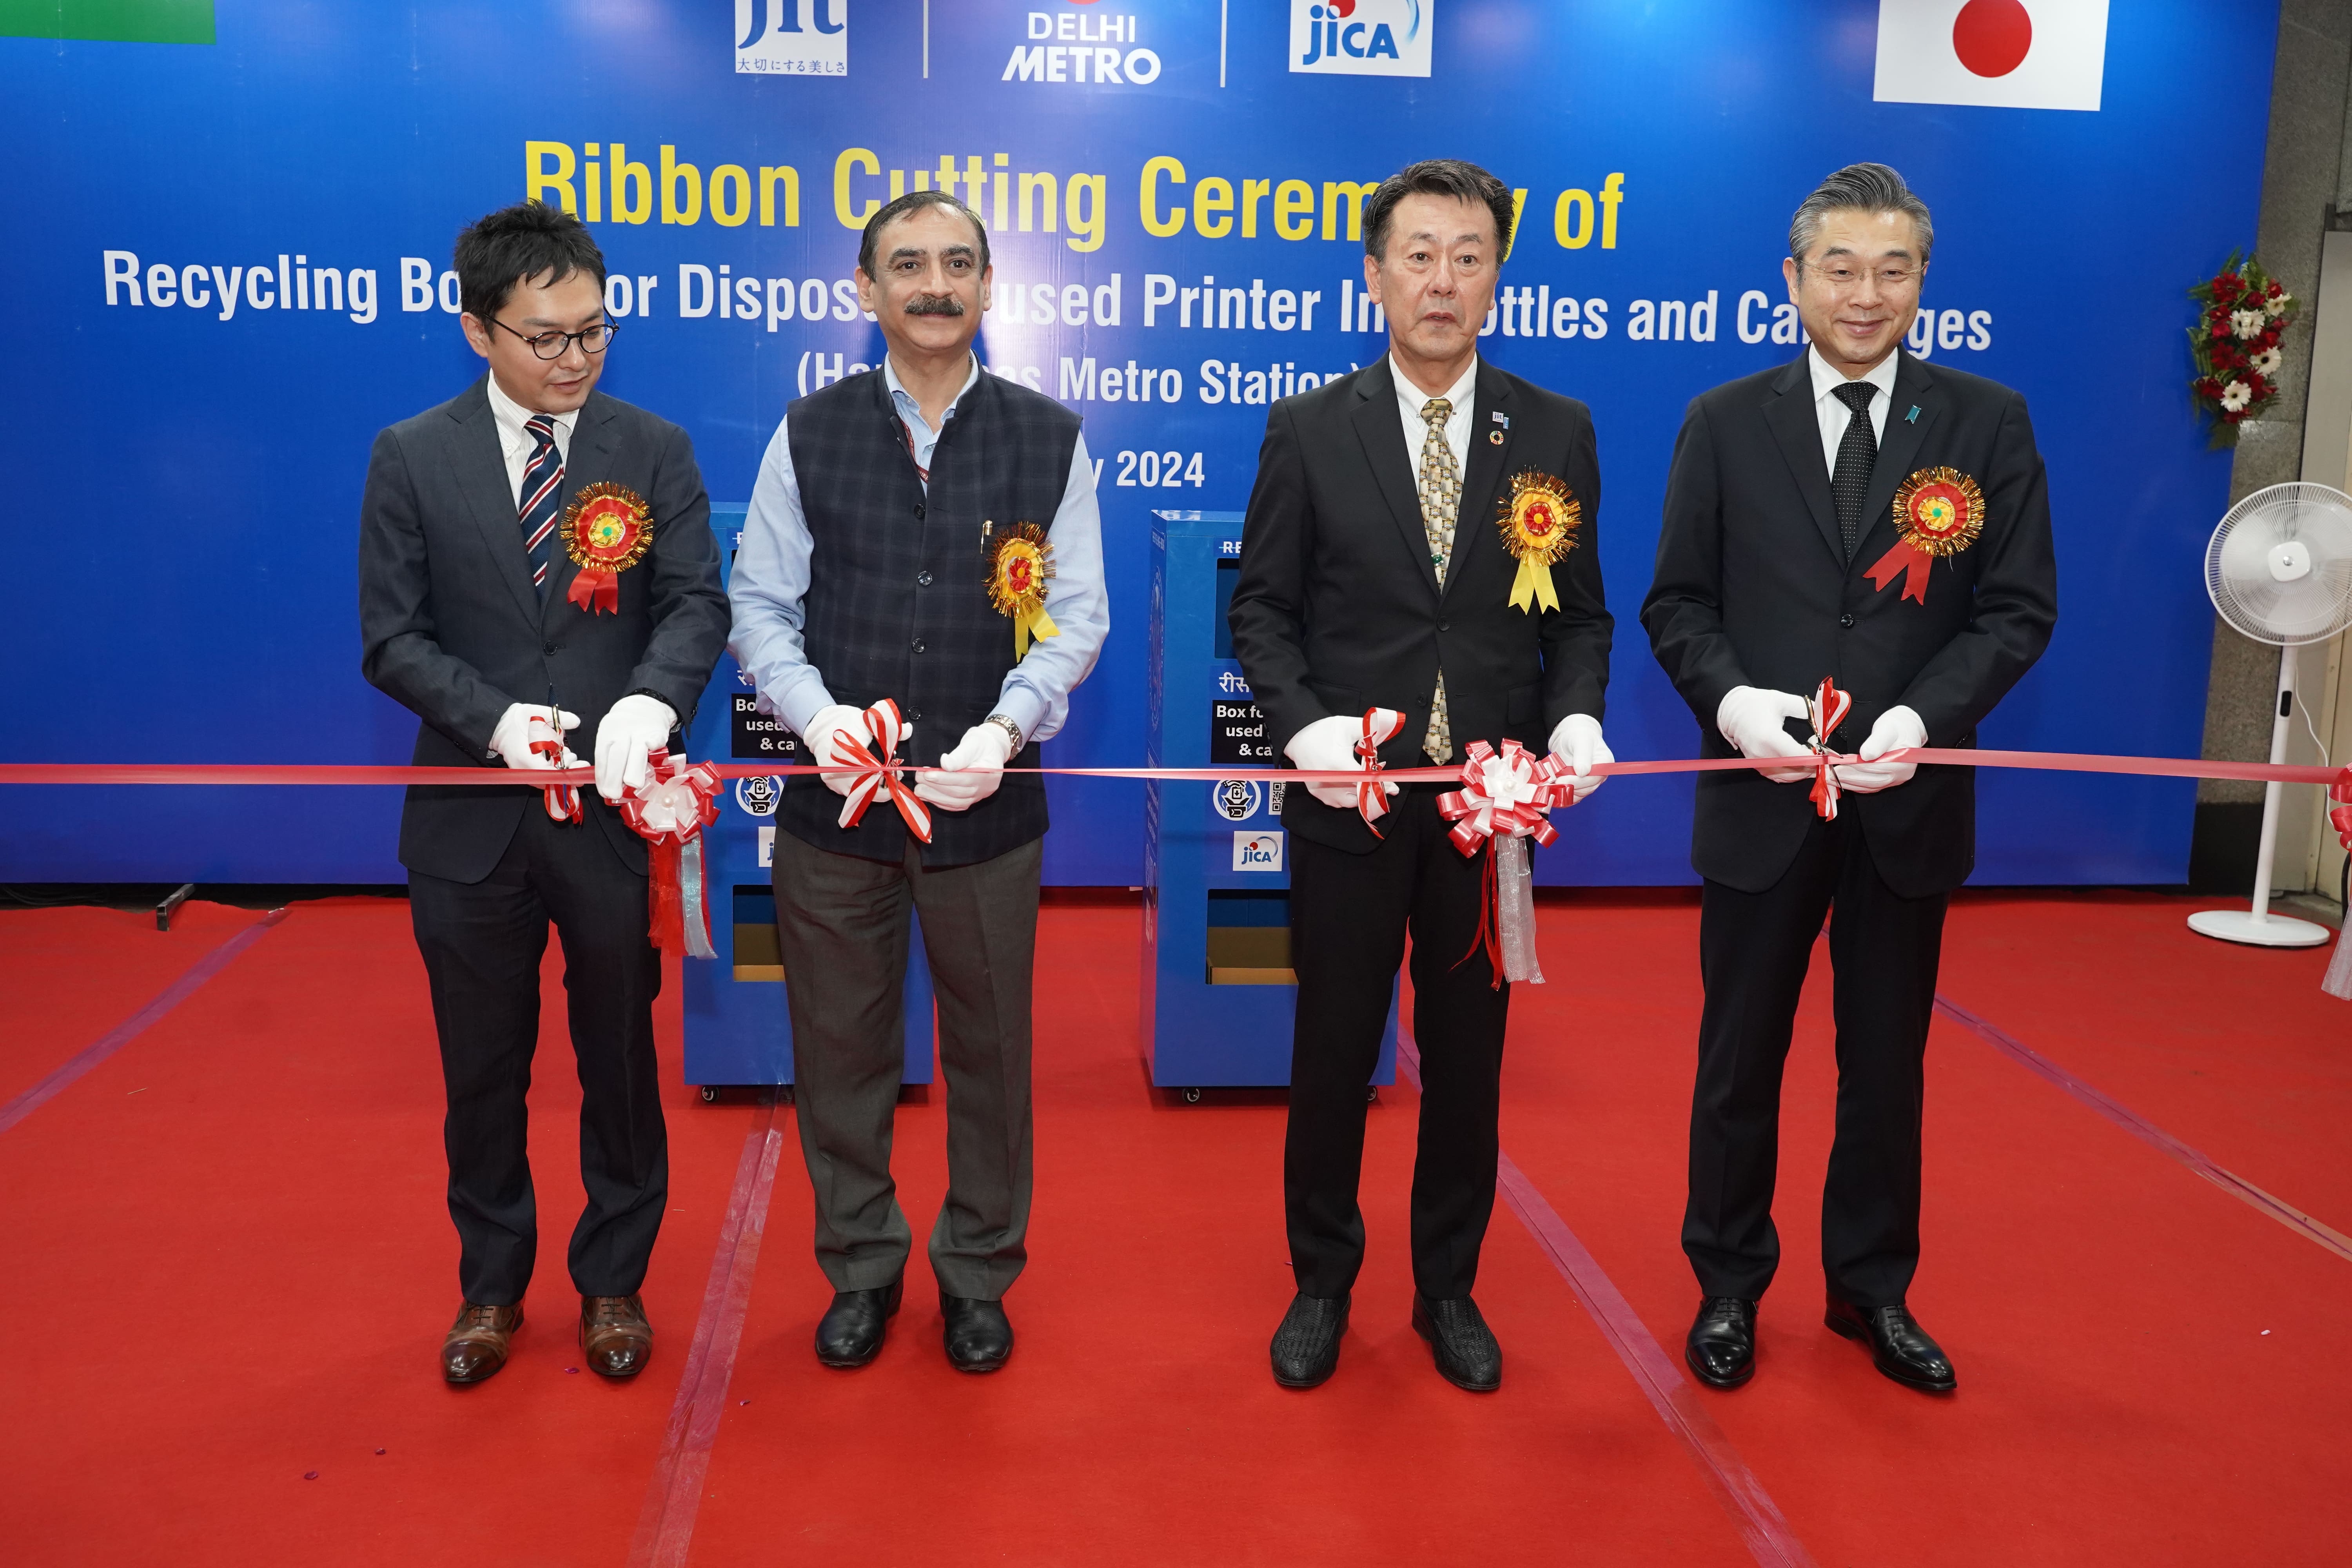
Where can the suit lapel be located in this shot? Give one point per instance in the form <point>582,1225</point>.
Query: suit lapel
<point>1489,461</point>
<point>1381,428</point>
<point>1789,414</point>
<point>1915,387</point>
<point>589,461</point>
<point>479,466</point>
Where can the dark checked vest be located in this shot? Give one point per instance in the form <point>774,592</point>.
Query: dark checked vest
<point>898,601</point>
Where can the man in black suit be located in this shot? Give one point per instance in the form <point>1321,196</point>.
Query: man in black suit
<point>1861,515</point>
<point>1374,574</point>
<point>471,601</point>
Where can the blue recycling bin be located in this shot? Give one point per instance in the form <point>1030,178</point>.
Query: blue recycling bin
<point>1218,993</point>
<point>739,1031</point>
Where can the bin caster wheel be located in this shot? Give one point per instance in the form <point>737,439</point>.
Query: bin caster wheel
<point>709,1094</point>
<point>1191,1097</point>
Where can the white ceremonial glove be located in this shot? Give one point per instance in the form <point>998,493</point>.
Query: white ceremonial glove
<point>978,763</point>
<point>849,723</point>
<point>636,724</point>
<point>511,740</point>
<point>1576,740</point>
<point>1330,744</point>
<point>1898,728</point>
<point>1749,718</point>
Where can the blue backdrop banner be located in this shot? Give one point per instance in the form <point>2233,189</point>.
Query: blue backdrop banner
<point>232,269</point>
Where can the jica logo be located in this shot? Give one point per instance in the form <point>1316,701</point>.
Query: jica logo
<point>1360,37</point>
<point>1257,851</point>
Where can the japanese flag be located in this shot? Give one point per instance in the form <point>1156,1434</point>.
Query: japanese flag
<point>2003,53</point>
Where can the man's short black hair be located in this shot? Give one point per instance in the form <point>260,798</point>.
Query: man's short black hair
<point>1437,177</point>
<point>528,240</point>
<point>898,207</point>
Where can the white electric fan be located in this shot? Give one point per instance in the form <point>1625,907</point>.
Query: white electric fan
<point>2280,570</point>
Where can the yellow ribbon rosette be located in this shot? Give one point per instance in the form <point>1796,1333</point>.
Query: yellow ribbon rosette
<point>1019,564</point>
<point>1538,519</point>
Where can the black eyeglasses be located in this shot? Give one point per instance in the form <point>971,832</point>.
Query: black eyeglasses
<point>554,345</point>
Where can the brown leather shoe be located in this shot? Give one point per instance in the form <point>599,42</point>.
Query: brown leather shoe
<point>478,1340</point>
<point>614,1334</point>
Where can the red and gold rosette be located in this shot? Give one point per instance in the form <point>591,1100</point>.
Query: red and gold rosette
<point>1937,512</point>
<point>1019,564</point>
<point>607,530</point>
<point>1538,519</point>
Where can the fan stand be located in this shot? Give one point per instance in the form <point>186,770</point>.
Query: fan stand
<point>2257,927</point>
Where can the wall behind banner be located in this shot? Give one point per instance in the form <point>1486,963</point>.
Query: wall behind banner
<point>1174,209</point>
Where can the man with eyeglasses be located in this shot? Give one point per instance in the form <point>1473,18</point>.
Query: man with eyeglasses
<point>532,553</point>
<point>1862,516</point>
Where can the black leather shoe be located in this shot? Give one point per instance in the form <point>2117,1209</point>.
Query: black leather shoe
<point>1721,1346</point>
<point>1464,1348</point>
<point>1899,1345</point>
<point>1306,1345</point>
<point>978,1335</point>
<point>850,1332</point>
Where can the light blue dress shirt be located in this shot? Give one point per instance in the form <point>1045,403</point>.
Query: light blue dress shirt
<point>770,580</point>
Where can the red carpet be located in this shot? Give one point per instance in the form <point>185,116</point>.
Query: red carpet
<point>237,1274</point>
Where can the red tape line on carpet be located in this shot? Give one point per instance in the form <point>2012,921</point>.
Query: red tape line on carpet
<point>1770,1540</point>
<point>131,1028</point>
<point>2237,1186</point>
<point>674,1495</point>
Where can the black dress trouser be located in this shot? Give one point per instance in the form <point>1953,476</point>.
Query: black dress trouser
<point>1754,949</point>
<point>1349,915</point>
<point>482,945</point>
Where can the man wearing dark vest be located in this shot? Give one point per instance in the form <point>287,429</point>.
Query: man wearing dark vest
<point>470,553</point>
<point>1862,515</point>
<point>1380,563</point>
<point>903,524</point>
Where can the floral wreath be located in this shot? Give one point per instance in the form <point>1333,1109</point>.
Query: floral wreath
<point>2243,313</point>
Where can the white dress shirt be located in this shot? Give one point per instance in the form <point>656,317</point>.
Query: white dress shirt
<point>516,442</point>
<point>1457,423</point>
<point>770,581</point>
<point>1833,414</point>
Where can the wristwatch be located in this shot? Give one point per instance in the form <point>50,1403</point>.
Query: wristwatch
<point>1011,729</point>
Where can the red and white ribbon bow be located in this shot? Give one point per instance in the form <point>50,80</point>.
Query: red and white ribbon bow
<point>563,800</point>
<point>669,811</point>
<point>877,769</point>
<point>1380,727</point>
<point>1829,707</point>
<point>1506,791</point>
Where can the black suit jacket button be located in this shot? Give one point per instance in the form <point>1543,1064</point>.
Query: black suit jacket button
<point>914,716</point>
<point>1845,620</point>
<point>922,579</point>
<point>549,647</point>
<point>1445,625</point>
<point>918,508</point>
<point>919,645</point>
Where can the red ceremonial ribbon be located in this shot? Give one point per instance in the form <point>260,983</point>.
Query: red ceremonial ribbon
<point>876,771</point>
<point>563,800</point>
<point>1381,726</point>
<point>1907,561</point>
<point>1507,791</point>
<point>669,811</point>
<point>1829,707</point>
<point>596,588</point>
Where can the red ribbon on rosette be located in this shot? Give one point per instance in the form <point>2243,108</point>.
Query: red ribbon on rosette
<point>563,800</point>
<point>1380,727</point>
<point>669,811</point>
<point>1507,791</point>
<point>1828,708</point>
<point>877,770</point>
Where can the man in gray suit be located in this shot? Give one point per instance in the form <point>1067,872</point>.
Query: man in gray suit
<point>534,539</point>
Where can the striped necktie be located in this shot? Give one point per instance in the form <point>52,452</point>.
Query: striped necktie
<point>542,494</point>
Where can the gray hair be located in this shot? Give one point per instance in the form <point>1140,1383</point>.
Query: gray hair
<point>1865,188</point>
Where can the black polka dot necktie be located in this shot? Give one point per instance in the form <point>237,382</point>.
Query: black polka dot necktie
<point>1857,452</point>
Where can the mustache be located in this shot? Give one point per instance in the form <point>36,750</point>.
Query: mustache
<point>935,305</point>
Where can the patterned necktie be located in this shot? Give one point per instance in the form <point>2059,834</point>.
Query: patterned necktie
<point>1441,501</point>
<point>542,491</point>
<point>1857,452</point>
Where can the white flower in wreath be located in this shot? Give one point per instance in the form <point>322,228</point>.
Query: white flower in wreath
<point>2236,396</point>
<point>2248,323</point>
<point>2277,306</point>
<point>2267,363</point>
